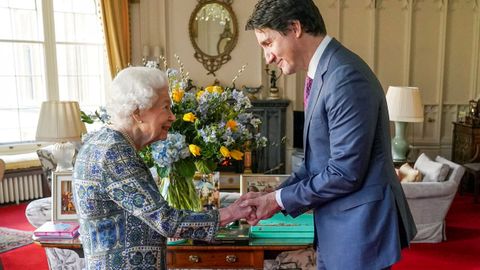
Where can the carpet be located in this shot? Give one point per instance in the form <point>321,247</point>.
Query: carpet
<point>11,239</point>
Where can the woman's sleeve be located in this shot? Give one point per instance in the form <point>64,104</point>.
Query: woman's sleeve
<point>129,184</point>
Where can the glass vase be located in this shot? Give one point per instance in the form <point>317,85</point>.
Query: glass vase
<point>179,191</point>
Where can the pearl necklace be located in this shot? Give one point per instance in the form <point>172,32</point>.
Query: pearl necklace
<point>127,137</point>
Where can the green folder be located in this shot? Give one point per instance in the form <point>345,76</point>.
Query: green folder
<point>281,226</point>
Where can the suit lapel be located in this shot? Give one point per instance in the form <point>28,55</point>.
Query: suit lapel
<point>317,85</point>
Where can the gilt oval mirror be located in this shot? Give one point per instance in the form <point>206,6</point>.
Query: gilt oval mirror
<point>213,32</point>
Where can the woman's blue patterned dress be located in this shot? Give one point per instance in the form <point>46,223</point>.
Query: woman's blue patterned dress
<point>124,221</point>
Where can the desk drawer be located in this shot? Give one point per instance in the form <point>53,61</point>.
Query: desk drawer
<point>216,258</point>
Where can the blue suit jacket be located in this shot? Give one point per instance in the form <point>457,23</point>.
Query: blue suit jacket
<point>362,219</point>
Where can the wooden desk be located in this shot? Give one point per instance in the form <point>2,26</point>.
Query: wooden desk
<point>223,256</point>
<point>211,256</point>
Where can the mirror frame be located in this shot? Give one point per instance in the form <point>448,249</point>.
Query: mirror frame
<point>213,63</point>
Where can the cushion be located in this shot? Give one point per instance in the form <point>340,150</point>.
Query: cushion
<point>305,259</point>
<point>432,171</point>
<point>20,161</point>
<point>409,174</point>
<point>399,176</point>
<point>2,169</point>
<point>48,163</point>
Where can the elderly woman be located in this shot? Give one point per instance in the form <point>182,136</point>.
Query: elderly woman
<point>124,221</point>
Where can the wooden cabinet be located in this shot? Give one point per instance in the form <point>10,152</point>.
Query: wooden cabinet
<point>271,159</point>
<point>465,139</point>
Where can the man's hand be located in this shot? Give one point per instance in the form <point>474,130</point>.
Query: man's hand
<point>264,206</point>
<point>250,195</point>
<point>235,212</point>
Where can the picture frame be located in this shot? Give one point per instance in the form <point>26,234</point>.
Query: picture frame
<point>206,187</point>
<point>261,182</point>
<point>63,208</point>
<point>229,181</point>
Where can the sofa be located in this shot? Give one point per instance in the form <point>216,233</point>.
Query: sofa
<point>429,202</point>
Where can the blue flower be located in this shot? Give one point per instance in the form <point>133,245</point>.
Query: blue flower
<point>166,152</point>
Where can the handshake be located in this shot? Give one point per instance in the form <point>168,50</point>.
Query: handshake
<point>253,206</point>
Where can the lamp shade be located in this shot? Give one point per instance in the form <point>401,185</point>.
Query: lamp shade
<point>404,104</point>
<point>59,121</point>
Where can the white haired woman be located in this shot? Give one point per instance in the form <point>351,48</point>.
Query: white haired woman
<point>124,221</point>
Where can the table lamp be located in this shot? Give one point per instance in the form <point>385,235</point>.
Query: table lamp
<point>59,122</point>
<point>404,105</point>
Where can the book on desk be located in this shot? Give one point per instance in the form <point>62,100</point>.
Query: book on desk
<point>277,230</point>
<point>57,230</point>
<point>282,226</point>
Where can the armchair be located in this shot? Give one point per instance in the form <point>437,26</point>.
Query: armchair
<point>40,211</point>
<point>429,203</point>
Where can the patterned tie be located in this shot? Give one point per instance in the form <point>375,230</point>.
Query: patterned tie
<point>306,92</point>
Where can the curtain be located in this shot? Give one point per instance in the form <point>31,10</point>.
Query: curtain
<point>116,27</point>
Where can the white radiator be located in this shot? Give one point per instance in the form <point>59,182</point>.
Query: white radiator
<point>18,188</point>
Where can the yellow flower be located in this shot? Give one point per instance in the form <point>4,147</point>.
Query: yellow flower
<point>189,117</point>
<point>232,124</point>
<point>199,94</point>
<point>214,89</point>
<point>225,152</point>
<point>237,155</point>
<point>177,95</point>
<point>195,150</point>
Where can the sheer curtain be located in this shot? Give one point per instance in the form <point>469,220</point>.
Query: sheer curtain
<point>49,50</point>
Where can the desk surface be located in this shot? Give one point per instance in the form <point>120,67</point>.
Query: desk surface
<point>270,244</point>
<point>233,237</point>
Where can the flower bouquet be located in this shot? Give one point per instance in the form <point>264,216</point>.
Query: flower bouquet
<point>212,125</point>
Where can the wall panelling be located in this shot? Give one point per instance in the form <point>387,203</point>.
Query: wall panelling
<point>432,44</point>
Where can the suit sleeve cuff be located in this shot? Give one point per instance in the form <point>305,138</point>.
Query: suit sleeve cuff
<point>278,198</point>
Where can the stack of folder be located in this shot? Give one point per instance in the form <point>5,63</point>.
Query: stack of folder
<point>281,226</point>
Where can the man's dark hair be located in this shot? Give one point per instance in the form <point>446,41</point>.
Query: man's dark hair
<point>279,14</point>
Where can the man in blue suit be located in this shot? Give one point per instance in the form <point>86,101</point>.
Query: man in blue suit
<point>362,220</point>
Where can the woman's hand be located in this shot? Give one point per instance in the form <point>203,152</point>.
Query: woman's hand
<point>235,212</point>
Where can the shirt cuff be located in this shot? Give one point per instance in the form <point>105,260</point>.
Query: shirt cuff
<point>278,198</point>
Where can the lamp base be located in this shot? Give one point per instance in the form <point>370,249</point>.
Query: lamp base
<point>63,155</point>
<point>399,144</point>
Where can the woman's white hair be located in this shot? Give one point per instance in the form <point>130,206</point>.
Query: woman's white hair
<point>134,88</point>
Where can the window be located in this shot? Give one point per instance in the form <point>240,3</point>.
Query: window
<point>50,49</point>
